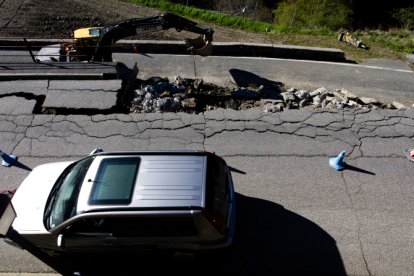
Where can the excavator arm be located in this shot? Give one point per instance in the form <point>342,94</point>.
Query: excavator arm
<point>111,33</point>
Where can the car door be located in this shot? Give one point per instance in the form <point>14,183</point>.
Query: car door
<point>86,235</point>
<point>149,233</point>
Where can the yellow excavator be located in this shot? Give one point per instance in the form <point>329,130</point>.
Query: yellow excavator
<point>95,43</point>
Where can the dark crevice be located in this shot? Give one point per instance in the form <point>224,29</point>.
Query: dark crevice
<point>29,96</point>
<point>82,111</point>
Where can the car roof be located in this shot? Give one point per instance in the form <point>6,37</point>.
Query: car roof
<point>149,180</point>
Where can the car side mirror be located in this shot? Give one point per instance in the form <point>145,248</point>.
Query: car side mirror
<point>97,150</point>
<point>61,241</point>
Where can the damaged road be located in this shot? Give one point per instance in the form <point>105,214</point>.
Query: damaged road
<point>129,94</point>
<point>360,219</point>
<point>298,215</point>
<point>159,95</point>
<point>296,208</point>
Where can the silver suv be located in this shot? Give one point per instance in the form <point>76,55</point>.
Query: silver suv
<point>128,201</point>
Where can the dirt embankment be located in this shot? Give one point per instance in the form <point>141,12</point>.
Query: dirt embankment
<point>57,19</point>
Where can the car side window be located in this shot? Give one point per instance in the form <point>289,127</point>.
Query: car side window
<point>89,227</point>
<point>133,227</point>
<point>152,226</point>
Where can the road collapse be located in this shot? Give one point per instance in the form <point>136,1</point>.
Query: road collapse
<point>157,94</point>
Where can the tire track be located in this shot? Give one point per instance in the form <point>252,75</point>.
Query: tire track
<point>125,10</point>
<point>1,4</point>
<point>14,14</point>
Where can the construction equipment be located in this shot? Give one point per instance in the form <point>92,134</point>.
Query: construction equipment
<point>94,43</point>
<point>346,36</point>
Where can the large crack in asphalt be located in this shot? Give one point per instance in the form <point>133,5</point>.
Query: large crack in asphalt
<point>197,131</point>
<point>359,230</point>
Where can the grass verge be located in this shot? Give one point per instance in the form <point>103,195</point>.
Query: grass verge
<point>391,44</point>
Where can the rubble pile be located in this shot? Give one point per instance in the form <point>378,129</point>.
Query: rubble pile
<point>181,95</point>
<point>323,98</point>
<point>194,96</point>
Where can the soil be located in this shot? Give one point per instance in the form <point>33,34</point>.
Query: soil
<point>57,19</point>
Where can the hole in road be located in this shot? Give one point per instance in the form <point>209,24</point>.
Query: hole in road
<point>157,95</point>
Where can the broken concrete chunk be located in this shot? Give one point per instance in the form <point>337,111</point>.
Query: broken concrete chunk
<point>318,91</point>
<point>339,96</point>
<point>397,105</point>
<point>317,100</point>
<point>189,103</point>
<point>353,103</point>
<point>246,105</point>
<point>366,100</point>
<point>272,101</point>
<point>302,94</point>
<point>272,108</point>
<point>165,94</point>
<point>288,96</point>
<point>347,94</point>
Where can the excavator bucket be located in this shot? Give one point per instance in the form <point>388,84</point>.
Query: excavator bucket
<point>199,45</point>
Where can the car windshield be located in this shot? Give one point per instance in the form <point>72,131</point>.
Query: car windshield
<point>62,200</point>
<point>95,32</point>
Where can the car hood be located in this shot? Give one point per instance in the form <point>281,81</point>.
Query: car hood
<point>30,198</point>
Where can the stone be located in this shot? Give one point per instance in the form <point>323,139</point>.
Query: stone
<point>302,94</point>
<point>317,100</point>
<point>347,94</point>
<point>288,96</point>
<point>366,100</point>
<point>189,103</point>
<point>318,91</point>
<point>265,101</point>
<point>398,105</point>
<point>165,94</point>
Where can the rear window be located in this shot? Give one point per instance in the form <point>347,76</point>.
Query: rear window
<point>115,181</point>
<point>217,187</point>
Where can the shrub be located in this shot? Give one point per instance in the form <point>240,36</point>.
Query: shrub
<point>405,16</point>
<point>329,14</point>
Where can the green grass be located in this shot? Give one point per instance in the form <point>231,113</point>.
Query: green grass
<point>224,19</point>
<point>204,15</point>
<point>397,40</point>
<point>391,44</point>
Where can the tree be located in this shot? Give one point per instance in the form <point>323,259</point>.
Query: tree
<point>332,14</point>
<point>405,16</point>
<point>253,9</point>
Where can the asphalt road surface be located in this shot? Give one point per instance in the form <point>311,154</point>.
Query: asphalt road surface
<point>385,80</point>
<point>296,215</point>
